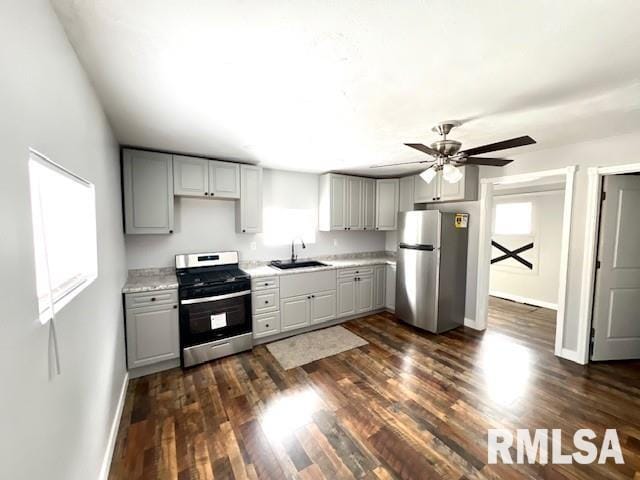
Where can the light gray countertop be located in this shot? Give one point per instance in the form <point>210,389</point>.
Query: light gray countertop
<point>267,271</point>
<point>150,280</point>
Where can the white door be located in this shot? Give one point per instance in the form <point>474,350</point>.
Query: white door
<point>224,179</point>
<point>250,217</point>
<point>379,286</point>
<point>338,193</point>
<point>423,191</point>
<point>364,294</point>
<point>190,176</point>
<point>346,297</point>
<point>295,312</point>
<point>616,309</point>
<point>369,204</point>
<point>387,204</point>
<point>323,306</point>
<point>354,203</point>
<point>152,335</point>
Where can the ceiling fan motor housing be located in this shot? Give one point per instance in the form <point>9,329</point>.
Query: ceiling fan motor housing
<point>447,147</point>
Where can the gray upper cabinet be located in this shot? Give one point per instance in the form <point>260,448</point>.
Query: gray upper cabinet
<point>440,191</point>
<point>369,203</point>
<point>199,177</point>
<point>249,212</point>
<point>148,192</point>
<point>190,176</point>
<point>354,204</point>
<point>406,203</point>
<point>224,179</point>
<point>387,204</point>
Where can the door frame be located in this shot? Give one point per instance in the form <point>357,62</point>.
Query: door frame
<point>484,248</point>
<point>594,187</point>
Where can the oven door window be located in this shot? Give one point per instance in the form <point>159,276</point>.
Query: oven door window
<point>207,321</point>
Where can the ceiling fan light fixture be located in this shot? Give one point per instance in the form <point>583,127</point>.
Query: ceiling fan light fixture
<point>429,174</point>
<point>451,174</point>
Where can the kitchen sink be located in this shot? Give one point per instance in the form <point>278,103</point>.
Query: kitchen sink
<point>284,265</point>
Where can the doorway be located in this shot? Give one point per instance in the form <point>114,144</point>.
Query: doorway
<point>485,248</point>
<point>615,324</point>
<point>525,260</point>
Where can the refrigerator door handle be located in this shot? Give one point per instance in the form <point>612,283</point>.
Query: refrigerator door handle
<point>428,248</point>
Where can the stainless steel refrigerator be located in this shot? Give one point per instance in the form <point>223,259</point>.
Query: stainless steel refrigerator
<point>432,269</point>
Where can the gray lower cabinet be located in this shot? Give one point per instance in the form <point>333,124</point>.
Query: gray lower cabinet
<point>346,297</point>
<point>147,179</point>
<point>266,324</point>
<point>379,287</point>
<point>152,328</point>
<point>390,294</point>
<point>323,306</point>
<point>364,293</point>
<point>295,312</point>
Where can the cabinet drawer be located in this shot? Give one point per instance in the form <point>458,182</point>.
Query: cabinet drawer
<point>352,272</point>
<point>265,301</point>
<point>264,283</point>
<point>266,324</point>
<point>147,299</point>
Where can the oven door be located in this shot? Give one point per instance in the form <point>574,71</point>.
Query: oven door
<point>213,317</point>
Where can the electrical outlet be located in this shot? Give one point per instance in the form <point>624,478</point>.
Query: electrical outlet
<point>253,246</point>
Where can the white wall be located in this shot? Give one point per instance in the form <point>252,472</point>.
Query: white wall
<point>509,279</point>
<point>209,225</point>
<point>55,428</point>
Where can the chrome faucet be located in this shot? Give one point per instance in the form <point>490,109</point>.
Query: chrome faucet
<point>294,257</point>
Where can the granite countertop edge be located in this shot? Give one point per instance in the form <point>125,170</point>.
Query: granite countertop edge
<point>267,271</point>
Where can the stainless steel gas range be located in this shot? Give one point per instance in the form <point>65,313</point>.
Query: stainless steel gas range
<point>215,306</point>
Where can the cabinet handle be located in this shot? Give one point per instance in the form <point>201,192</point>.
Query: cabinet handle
<point>153,299</point>
<point>266,284</point>
<point>266,302</point>
<point>206,193</point>
<point>364,228</point>
<point>212,194</point>
<point>313,296</point>
<point>170,231</point>
<point>175,306</point>
<point>266,325</point>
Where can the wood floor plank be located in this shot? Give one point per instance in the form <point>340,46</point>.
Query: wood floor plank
<point>407,405</point>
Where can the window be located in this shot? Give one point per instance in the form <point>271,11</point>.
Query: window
<point>64,234</point>
<point>284,225</point>
<point>513,218</point>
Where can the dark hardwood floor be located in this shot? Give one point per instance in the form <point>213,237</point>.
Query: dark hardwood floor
<point>407,405</point>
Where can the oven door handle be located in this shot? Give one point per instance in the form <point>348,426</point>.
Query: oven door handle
<point>191,301</point>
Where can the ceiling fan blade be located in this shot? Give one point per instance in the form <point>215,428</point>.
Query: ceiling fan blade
<point>492,162</point>
<point>494,147</point>
<point>401,163</point>
<point>424,149</point>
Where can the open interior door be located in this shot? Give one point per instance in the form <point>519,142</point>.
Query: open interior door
<point>616,306</point>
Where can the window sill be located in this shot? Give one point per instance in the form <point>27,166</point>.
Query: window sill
<point>59,304</point>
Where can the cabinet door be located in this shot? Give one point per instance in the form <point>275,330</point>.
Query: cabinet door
<point>323,306</point>
<point>224,179</point>
<point>379,286</point>
<point>452,191</point>
<point>369,203</point>
<point>387,204</point>
<point>295,312</point>
<point>390,293</point>
<point>249,212</point>
<point>338,200</point>
<point>354,203</point>
<point>406,194</point>
<point>190,176</point>
<point>364,294</point>
<point>346,297</point>
<point>423,191</point>
<point>148,192</point>
<point>152,335</point>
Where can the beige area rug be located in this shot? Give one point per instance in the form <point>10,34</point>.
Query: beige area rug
<point>305,348</point>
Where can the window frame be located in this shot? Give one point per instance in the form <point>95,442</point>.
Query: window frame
<point>46,311</point>
<point>530,232</point>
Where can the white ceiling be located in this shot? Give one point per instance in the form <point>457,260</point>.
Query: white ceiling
<point>341,84</point>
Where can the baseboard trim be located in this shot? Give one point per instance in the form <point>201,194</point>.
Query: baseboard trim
<point>571,355</point>
<point>471,324</point>
<point>113,433</point>
<point>521,299</point>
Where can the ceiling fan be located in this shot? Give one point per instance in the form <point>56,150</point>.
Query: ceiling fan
<point>447,154</point>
